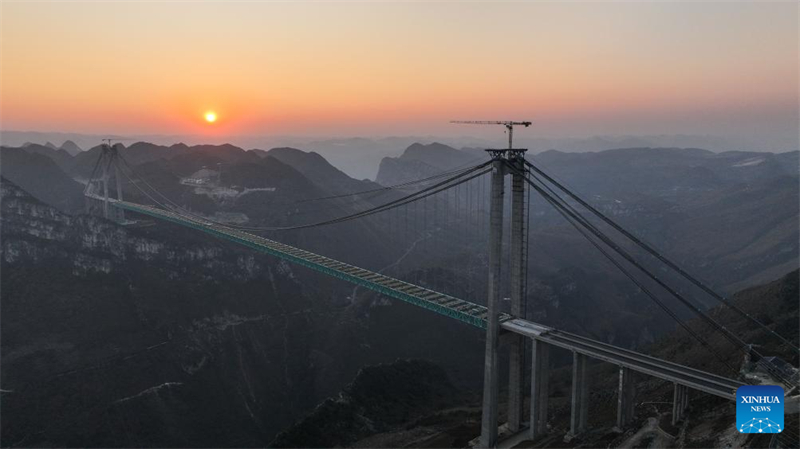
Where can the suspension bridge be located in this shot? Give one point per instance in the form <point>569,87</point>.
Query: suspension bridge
<point>528,342</point>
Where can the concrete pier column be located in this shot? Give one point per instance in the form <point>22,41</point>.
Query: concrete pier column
<point>675,402</point>
<point>580,395</point>
<point>516,380</point>
<point>626,398</point>
<point>540,387</point>
<point>490,371</point>
<point>680,399</point>
<point>684,401</point>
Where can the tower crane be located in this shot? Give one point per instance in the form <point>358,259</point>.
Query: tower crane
<point>508,124</point>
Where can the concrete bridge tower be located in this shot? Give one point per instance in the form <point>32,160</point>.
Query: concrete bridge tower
<point>108,164</point>
<point>505,162</point>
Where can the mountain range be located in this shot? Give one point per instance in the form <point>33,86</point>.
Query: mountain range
<point>140,328</point>
<point>359,157</point>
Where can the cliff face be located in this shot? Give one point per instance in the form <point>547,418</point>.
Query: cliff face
<point>380,399</point>
<point>141,337</point>
<point>34,232</point>
<point>149,335</point>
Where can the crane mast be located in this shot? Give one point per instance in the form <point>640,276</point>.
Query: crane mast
<point>507,123</point>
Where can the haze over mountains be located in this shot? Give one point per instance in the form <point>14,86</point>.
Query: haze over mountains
<point>359,157</point>
<point>727,200</point>
<point>167,321</point>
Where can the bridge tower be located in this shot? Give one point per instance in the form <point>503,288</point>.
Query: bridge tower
<point>108,162</point>
<point>509,161</point>
<point>506,161</point>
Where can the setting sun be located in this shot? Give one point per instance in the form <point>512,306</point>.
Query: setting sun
<point>211,116</point>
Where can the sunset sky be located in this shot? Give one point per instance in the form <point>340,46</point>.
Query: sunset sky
<point>372,68</point>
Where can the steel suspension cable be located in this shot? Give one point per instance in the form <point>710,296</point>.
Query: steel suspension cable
<point>561,207</point>
<point>674,266</point>
<point>143,191</point>
<point>738,343</point>
<point>405,200</point>
<point>387,188</point>
<point>94,170</point>
<point>392,204</point>
<point>248,228</point>
<point>734,339</point>
<point>470,230</point>
<point>526,246</point>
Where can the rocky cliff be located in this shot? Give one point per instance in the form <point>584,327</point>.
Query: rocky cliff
<point>380,399</point>
<point>142,337</point>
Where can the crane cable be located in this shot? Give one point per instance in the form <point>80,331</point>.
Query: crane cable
<point>660,256</point>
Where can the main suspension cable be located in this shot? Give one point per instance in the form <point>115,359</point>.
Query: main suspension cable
<point>94,170</point>
<point>738,343</point>
<point>387,188</point>
<point>733,338</point>
<point>560,205</point>
<point>703,286</point>
<point>396,203</point>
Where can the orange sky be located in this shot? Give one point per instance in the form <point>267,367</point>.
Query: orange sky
<point>399,68</point>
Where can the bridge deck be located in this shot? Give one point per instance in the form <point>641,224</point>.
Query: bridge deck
<point>459,309</point>
<point>673,372</point>
<point>450,306</point>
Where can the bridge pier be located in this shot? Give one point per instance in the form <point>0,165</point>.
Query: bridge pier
<point>580,395</point>
<point>685,399</point>
<point>626,398</point>
<point>93,205</point>
<point>680,400</point>
<point>540,387</point>
<point>490,371</point>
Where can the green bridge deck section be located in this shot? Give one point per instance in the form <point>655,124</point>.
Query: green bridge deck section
<point>452,307</point>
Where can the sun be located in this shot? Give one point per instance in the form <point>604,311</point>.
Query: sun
<point>211,116</point>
